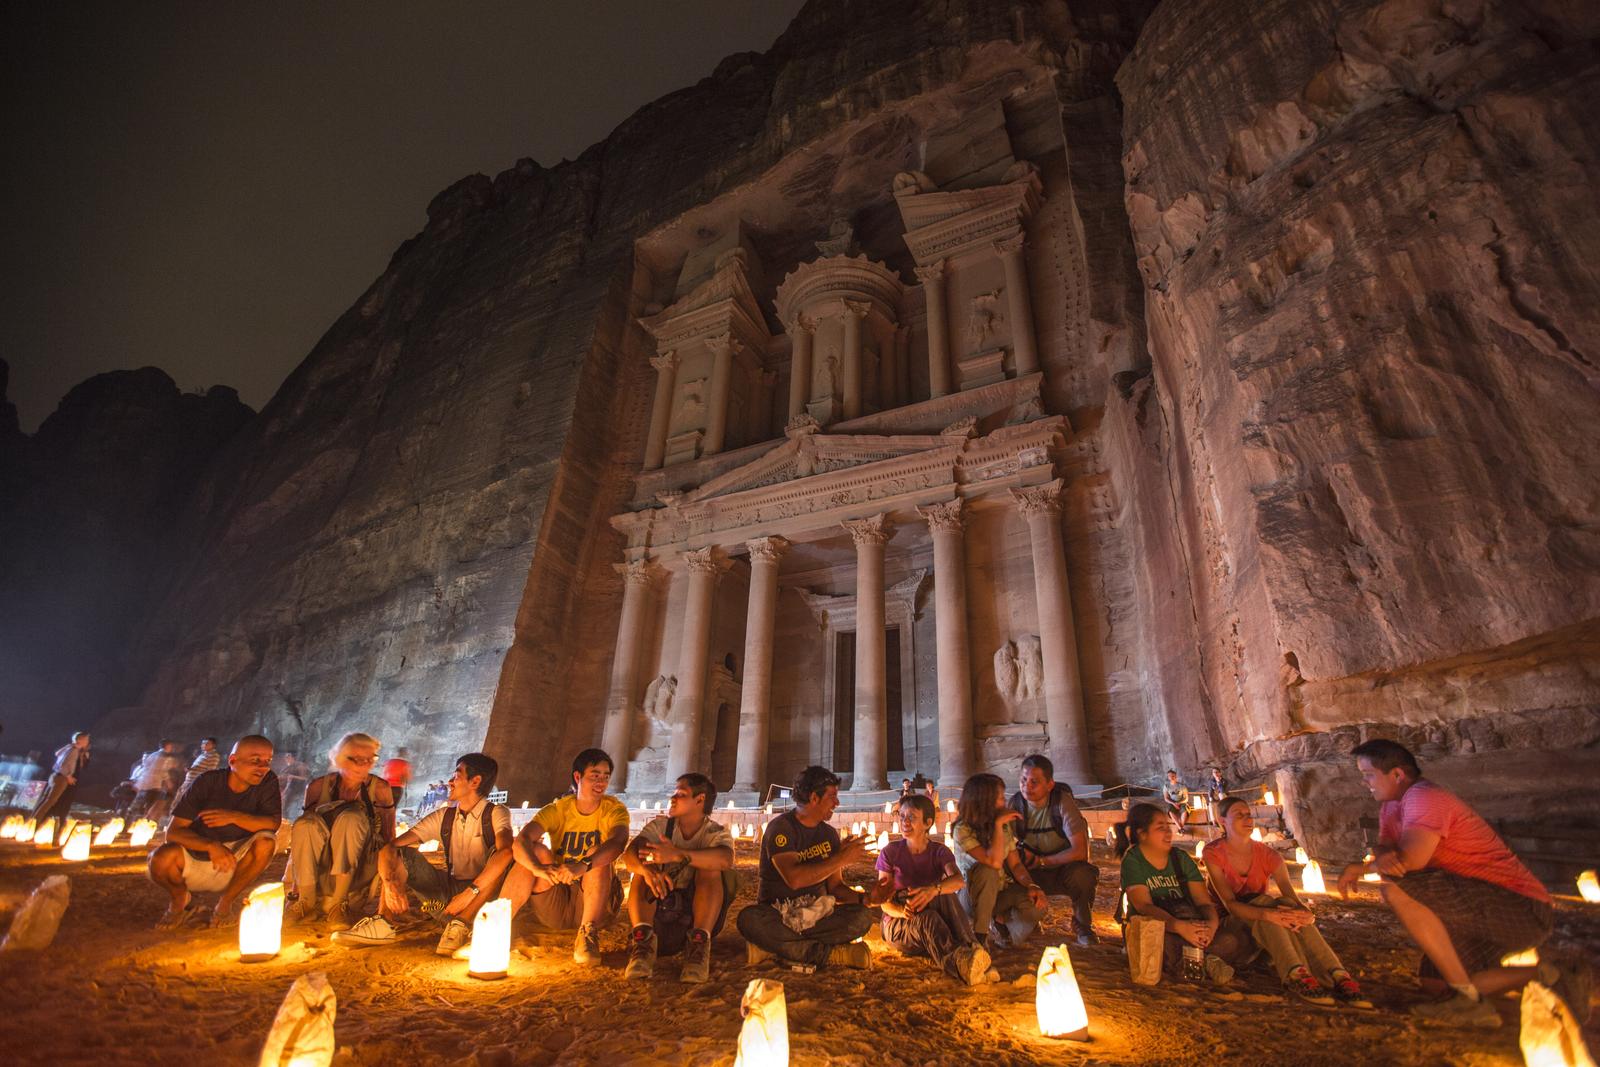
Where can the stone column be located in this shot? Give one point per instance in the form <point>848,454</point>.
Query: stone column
<point>704,567</point>
<point>800,333</point>
<point>946,524</point>
<point>721,347</point>
<point>855,311</point>
<point>760,620</point>
<point>872,728</point>
<point>1058,645</point>
<point>655,448</point>
<point>620,699</point>
<point>1018,305</point>
<point>938,329</point>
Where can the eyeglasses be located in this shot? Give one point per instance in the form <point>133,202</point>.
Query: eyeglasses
<point>361,761</point>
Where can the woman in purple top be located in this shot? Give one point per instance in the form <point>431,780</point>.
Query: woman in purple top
<point>917,885</point>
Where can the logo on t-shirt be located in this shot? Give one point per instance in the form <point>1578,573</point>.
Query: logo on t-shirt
<point>577,843</point>
<point>779,840</point>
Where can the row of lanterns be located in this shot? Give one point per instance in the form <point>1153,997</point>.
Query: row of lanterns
<point>79,835</point>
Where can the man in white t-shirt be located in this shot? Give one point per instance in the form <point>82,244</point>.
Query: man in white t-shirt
<point>683,882</point>
<point>474,836</point>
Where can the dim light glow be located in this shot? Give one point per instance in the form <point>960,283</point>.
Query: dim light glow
<point>950,806</point>
<point>45,836</point>
<point>1528,957</point>
<point>1269,798</point>
<point>429,846</point>
<point>769,809</point>
<point>764,1035</point>
<point>730,805</point>
<point>261,923</point>
<point>1058,1002</point>
<point>1549,1035</point>
<point>888,807</point>
<point>25,831</point>
<point>77,846</point>
<point>1300,856</point>
<point>881,842</point>
<point>1311,880</point>
<point>141,833</point>
<point>1589,887</point>
<point>872,828</point>
<point>490,956</point>
<point>1197,803</point>
<point>855,829</point>
<point>108,833</point>
<point>9,828</point>
<point>1255,833</point>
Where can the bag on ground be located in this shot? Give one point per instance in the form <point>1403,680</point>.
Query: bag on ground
<point>302,1031</point>
<point>40,916</point>
<point>1145,939</point>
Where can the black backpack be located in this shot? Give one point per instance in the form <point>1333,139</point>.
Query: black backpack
<point>447,825</point>
<point>1019,804</point>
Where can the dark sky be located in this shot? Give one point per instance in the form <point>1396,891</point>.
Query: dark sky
<point>205,187</point>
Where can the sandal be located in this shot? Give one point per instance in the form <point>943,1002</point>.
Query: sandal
<point>172,920</point>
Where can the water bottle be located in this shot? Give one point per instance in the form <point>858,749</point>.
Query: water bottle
<point>1194,963</point>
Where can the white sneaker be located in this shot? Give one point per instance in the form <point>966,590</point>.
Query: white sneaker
<point>456,933</point>
<point>373,930</point>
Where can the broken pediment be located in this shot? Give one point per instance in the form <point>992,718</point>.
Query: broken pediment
<point>944,224</point>
<point>810,454</point>
<point>723,303</point>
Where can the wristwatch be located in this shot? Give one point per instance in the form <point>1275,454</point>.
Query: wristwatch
<point>473,887</point>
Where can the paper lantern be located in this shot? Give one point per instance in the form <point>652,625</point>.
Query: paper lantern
<point>1197,803</point>
<point>950,806</point>
<point>855,829</point>
<point>142,832</point>
<point>764,1037</point>
<point>24,831</point>
<point>1311,879</point>
<point>77,847</point>
<point>730,805</point>
<point>66,827</point>
<point>108,833</point>
<point>429,846</point>
<point>45,836</point>
<point>491,941</point>
<point>769,809</point>
<point>1255,834</point>
<point>1528,957</point>
<point>888,807</point>
<point>302,1031</point>
<point>8,829</point>
<point>1372,876</point>
<point>881,843</point>
<point>750,830</point>
<point>1057,999</point>
<point>1269,799</point>
<point>261,923</point>
<point>1550,1036</point>
<point>1589,887</point>
<point>872,828</point>
<point>1300,856</point>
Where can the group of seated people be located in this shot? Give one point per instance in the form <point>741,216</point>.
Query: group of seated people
<point>1461,894</point>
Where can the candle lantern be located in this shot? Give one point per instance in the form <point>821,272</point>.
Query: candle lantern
<point>768,809</point>
<point>1255,833</point>
<point>872,828</point>
<point>730,805</point>
<point>142,832</point>
<point>888,807</point>
<point>1197,803</point>
<point>45,835</point>
<point>429,846</point>
<point>8,829</point>
<point>25,831</point>
<point>1269,798</point>
<point>882,842</point>
<point>1300,856</point>
<point>108,833</point>
<point>1550,1036</point>
<point>1311,879</point>
<point>750,830</point>
<point>491,941</point>
<point>1528,957</point>
<point>1589,887</point>
<point>261,923</point>
<point>764,1037</point>
<point>77,847</point>
<point>855,829</point>
<point>1057,998</point>
<point>66,827</point>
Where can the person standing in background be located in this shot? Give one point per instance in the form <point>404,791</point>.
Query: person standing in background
<point>397,772</point>
<point>71,759</point>
<point>208,759</point>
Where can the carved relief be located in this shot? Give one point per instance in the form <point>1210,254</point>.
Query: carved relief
<point>1019,675</point>
<point>874,530</point>
<point>692,402</point>
<point>1039,500</point>
<point>653,730</point>
<point>948,516</point>
<point>984,320</point>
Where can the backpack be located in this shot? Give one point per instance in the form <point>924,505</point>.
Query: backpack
<point>447,825</point>
<point>1019,804</point>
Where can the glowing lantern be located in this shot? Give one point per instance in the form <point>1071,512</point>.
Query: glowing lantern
<point>1197,803</point>
<point>108,833</point>
<point>142,832</point>
<point>882,842</point>
<point>1300,856</point>
<point>872,828</point>
<point>491,941</point>
<point>769,809</point>
<point>45,836</point>
<point>261,923</point>
<point>888,807</point>
<point>8,829</point>
<point>1057,1000</point>
<point>1528,957</point>
<point>77,847</point>
<point>1255,833</point>
<point>750,830</point>
<point>950,806</point>
<point>66,827</point>
<point>855,829</point>
<point>1269,799</point>
<point>764,1037</point>
<point>25,831</point>
<point>1550,1036</point>
<point>730,805</point>
<point>1589,887</point>
<point>429,846</point>
<point>1311,878</point>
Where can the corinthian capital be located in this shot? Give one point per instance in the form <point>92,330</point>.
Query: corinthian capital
<point>637,572</point>
<point>666,361</point>
<point>801,323</point>
<point>874,530</point>
<point>948,516</point>
<point>720,343</point>
<point>767,549</point>
<point>706,560</point>
<point>1039,499</point>
<point>933,272</point>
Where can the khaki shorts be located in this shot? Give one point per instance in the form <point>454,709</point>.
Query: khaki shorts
<point>202,876</point>
<point>561,906</point>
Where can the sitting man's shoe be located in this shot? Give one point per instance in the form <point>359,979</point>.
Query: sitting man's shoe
<point>373,930</point>
<point>856,954</point>
<point>1348,993</point>
<point>1084,937</point>
<point>697,957</point>
<point>999,937</point>
<point>1305,986</point>
<point>641,953</point>
<point>338,917</point>
<point>456,934</point>
<point>972,964</point>
<point>302,911</point>
<point>586,946</point>
<point>1218,972</point>
<point>755,954</point>
<point>1459,1010</point>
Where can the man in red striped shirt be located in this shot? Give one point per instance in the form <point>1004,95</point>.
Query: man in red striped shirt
<point>1462,895</point>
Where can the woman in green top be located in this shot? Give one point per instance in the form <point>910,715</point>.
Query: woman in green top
<point>1164,883</point>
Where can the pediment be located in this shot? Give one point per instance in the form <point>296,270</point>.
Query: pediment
<point>808,455</point>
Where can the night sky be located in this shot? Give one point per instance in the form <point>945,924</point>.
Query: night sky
<point>206,187</point>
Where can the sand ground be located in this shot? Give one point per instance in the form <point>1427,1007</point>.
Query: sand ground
<point>112,990</point>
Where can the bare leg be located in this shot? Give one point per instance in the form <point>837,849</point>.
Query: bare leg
<point>596,891</point>
<point>1503,979</point>
<point>520,884</point>
<point>391,882</point>
<point>642,911</point>
<point>246,869</point>
<point>707,898</point>
<point>1428,932</point>
<point>166,871</point>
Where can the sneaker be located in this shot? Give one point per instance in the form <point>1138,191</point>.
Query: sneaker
<point>1305,986</point>
<point>856,954</point>
<point>754,954</point>
<point>972,964</point>
<point>373,930</point>
<point>641,953</point>
<point>1458,1010</point>
<point>999,938</point>
<point>1085,937</point>
<point>338,916</point>
<point>1218,971</point>
<point>586,946</point>
<point>302,911</point>
<point>456,934</point>
<point>697,957</point>
<point>1348,993</point>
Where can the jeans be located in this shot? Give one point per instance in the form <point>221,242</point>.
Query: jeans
<point>763,926</point>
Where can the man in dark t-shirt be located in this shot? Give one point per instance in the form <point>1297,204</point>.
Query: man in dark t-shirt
<point>223,832</point>
<point>802,858</point>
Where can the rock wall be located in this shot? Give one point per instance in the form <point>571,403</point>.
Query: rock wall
<point>1364,448</point>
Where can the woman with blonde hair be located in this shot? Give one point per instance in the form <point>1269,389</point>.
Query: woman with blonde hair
<point>348,817</point>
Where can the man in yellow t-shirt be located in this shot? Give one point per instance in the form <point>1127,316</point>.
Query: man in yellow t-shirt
<point>564,857</point>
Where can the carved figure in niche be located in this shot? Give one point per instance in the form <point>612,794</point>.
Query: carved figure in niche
<point>1030,660</point>
<point>657,711</point>
<point>830,368</point>
<point>984,320</point>
<point>692,403</point>
<point>1019,673</point>
<point>1007,676</point>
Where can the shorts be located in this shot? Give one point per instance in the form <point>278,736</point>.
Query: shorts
<point>674,916</point>
<point>202,876</point>
<point>431,885</point>
<point>561,906</point>
<point>1485,921</point>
